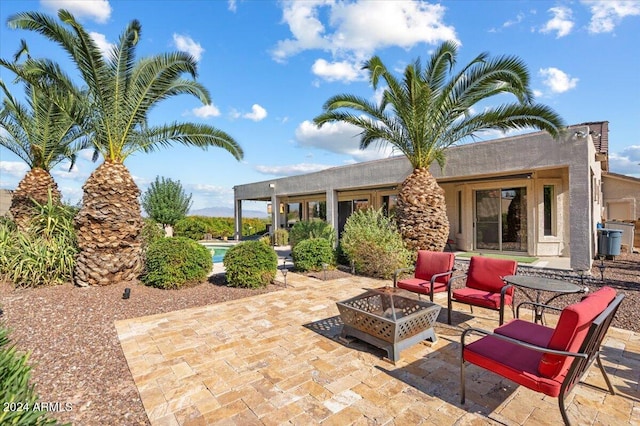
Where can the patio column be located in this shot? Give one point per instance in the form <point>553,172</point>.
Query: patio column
<point>332,209</point>
<point>276,216</point>
<point>237,214</point>
<point>580,229</point>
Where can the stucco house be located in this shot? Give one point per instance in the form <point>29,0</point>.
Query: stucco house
<point>5,201</point>
<point>526,194</point>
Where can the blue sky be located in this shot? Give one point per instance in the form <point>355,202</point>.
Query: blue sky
<point>270,66</point>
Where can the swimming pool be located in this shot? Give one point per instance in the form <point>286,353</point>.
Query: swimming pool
<point>217,251</point>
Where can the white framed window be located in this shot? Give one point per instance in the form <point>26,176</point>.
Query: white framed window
<point>549,209</point>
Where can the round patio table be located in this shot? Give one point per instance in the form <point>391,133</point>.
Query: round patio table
<point>540,284</point>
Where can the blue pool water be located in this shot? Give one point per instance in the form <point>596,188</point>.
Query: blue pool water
<point>217,252</point>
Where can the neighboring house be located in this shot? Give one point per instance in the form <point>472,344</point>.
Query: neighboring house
<point>5,202</point>
<point>526,194</point>
<point>621,197</point>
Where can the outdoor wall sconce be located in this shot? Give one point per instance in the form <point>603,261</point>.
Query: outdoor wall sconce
<point>281,208</point>
<point>269,208</point>
<point>579,134</point>
<point>272,185</point>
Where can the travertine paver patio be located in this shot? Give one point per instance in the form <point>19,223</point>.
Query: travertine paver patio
<point>274,359</point>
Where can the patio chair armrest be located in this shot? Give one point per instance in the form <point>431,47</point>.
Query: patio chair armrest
<point>504,289</point>
<point>434,277</point>
<point>536,305</point>
<point>397,272</point>
<point>533,347</point>
<point>450,283</point>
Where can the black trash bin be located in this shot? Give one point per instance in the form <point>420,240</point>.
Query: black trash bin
<point>609,242</point>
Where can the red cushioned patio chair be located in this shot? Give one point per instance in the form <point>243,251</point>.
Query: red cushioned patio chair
<point>546,360</point>
<point>484,286</point>
<point>431,273</point>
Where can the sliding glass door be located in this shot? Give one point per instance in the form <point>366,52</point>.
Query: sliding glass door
<point>501,219</point>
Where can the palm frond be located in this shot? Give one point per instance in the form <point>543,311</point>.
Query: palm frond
<point>429,110</point>
<point>190,134</point>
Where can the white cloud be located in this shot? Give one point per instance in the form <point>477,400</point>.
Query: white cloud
<point>606,15</point>
<point>87,154</point>
<point>627,161</point>
<point>13,168</point>
<point>292,169</point>
<point>339,138</point>
<point>104,46</point>
<point>337,71</point>
<point>141,181</point>
<point>232,6</point>
<point>186,44</point>
<point>561,23</point>
<point>98,10</point>
<point>206,195</point>
<point>61,171</point>
<point>257,113</point>
<point>515,21</point>
<point>558,81</point>
<point>306,28</point>
<point>206,111</point>
<point>208,188</point>
<point>349,37</point>
<point>71,194</point>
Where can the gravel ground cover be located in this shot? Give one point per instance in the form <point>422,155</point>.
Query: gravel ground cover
<point>77,357</point>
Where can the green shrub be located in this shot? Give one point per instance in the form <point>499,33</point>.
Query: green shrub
<point>176,262</point>
<point>195,227</point>
<point>311,254</point>
<point>371,241</point>
<point>281,237</point>
<point>251,264</point>
<point>150,232</point>
<point>44,253</point>
<point>306,229</point>
<point>266,240</point>
<point>190,227</point>
<point>16,393</point>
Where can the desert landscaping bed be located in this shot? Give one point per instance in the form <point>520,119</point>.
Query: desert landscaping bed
<point>77,356</point>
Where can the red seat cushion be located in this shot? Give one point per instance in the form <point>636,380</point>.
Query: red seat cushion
<point>417,285</point>
<point>430,263</point>
<point>526,331</point>
<point>486,273</point>
<point>572,329</point>
<point>481,298</point>
<point>514,362</point>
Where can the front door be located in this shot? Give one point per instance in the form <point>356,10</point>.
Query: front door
<point>501,219</point>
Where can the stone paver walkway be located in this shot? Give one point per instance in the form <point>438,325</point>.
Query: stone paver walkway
<point>275,359</point>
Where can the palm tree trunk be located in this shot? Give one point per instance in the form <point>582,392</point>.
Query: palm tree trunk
<point>422,212</point>
<point>34,186</point>
<point>108,225</point>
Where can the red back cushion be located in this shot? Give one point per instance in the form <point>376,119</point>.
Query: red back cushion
<point>486,273</point>
<point>572,329</point>
<point>430,263</point>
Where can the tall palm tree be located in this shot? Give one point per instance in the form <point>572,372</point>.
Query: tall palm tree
<point>43,132</point>
<point>123,91</point>
<point>429,110</point>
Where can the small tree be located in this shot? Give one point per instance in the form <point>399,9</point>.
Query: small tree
<point>166,201</point>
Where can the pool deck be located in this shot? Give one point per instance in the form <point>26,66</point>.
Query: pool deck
<point>277,358</point>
